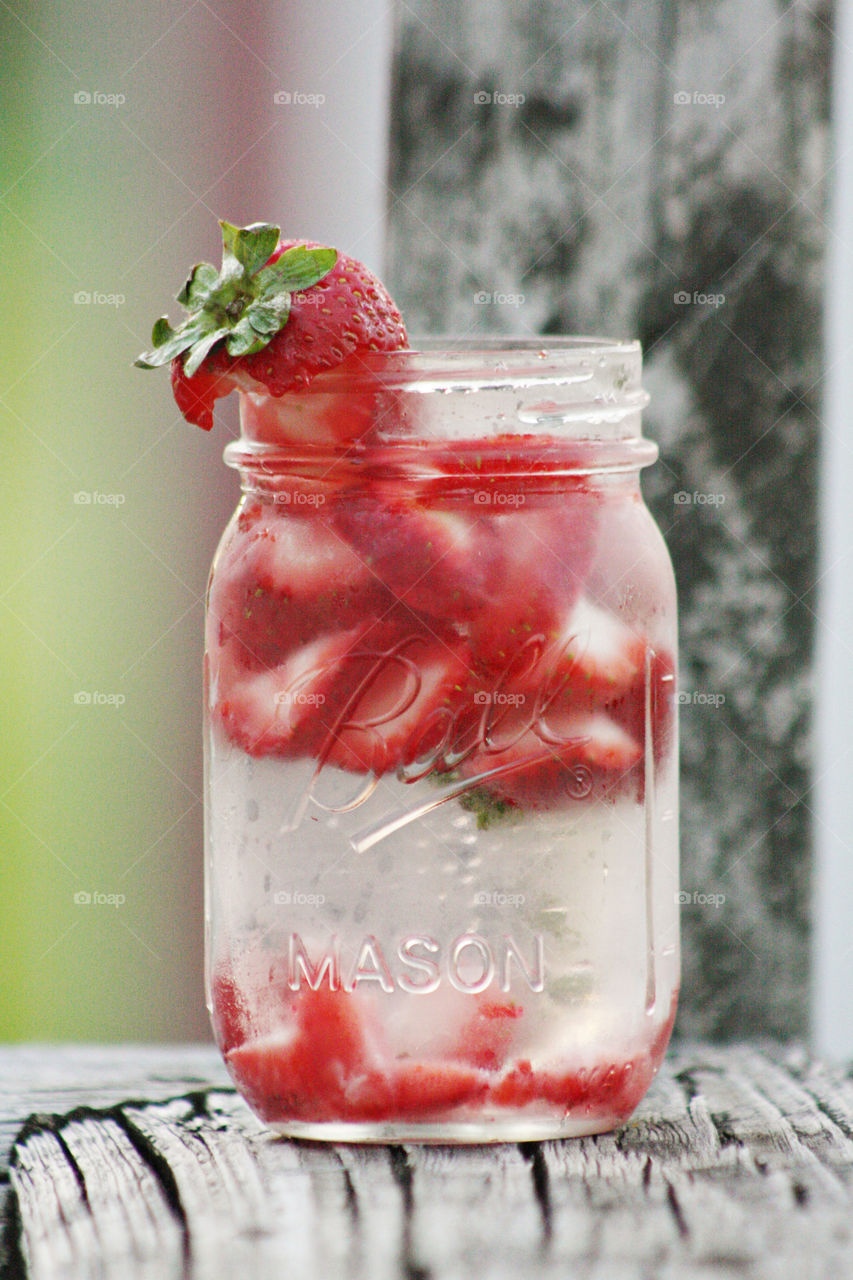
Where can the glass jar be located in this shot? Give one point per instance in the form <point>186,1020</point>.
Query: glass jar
<point>441,750</point>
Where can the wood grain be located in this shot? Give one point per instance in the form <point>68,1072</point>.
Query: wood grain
<point>738,1163</point>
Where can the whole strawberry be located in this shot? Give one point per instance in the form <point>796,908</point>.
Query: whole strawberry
<point>275,315</point>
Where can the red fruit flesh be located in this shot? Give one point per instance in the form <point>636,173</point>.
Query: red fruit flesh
<point>330,1065</point>
<point>348,312</point>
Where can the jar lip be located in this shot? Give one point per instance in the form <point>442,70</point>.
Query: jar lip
<point>495,359</point>
<point>561,388</point>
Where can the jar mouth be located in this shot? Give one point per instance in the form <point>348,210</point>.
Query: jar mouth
<point>582,391</point>
<point>596,366</point>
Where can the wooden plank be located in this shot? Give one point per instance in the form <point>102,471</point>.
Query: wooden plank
<point>738,1163</point>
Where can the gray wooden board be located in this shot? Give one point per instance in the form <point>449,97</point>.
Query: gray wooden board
<point>559,168</point>
<point>739,1163</point>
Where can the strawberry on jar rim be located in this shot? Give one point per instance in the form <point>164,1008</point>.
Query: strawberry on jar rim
<point>275,316</point>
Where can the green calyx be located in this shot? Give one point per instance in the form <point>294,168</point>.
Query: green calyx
<point>244,304</point>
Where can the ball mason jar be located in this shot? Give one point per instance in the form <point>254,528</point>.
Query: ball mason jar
<point>441,750</point>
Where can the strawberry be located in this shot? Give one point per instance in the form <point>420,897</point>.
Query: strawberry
<point>612,1089</point>
<point>594,659</point>
<point>400,707</point>
<point>430,558</point>
<point>568,758</point>
<point>280,581</point>
<point>276,315</point>
<point>288,709</point>
<point>486,1038</point>
<point>324,1067</point>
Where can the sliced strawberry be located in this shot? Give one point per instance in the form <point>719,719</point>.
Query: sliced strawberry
<point>282,583</point>
<point>401,706</point>
<point>230,1015</point>
<point>563,759</point>
<point>288,709</point>
<point>420,1089</point>
<point>487,1037</point>
<point>432,559</point>
<point>346,312</point>
<point>594,659</point>
<point>341,406</point>
<point>612,1089</point>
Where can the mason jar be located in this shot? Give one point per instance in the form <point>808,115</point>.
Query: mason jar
<point>441,750</point>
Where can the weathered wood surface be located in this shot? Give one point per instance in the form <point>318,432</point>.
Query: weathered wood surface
<point>659,169</point>
<point>739,1163</point>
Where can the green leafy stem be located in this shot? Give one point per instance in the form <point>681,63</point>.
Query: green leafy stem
<point>244,304</point>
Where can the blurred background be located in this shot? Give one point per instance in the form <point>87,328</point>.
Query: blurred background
<point>662,170</point>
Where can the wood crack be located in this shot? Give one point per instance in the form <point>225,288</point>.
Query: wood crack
<point>532,1153</point>
<point>12,1265</point>
<point>403,1174</point>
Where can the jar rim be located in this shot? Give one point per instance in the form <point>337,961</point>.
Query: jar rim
<point>486,360</point>
<point>568,389</point>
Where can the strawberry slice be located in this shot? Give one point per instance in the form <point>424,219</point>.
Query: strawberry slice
<point>401,706</point>
<point>283,582</point>
<point>325,1066</point>
<point>277,314</point>
<point>487,1037</point>
<point>595,656</point>
<point>610,1089</point>
<point>421,1089</point>
<point>565,758</point>
<point>301,1072</point>
<point>288,709</point>
<point>431,559</point>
